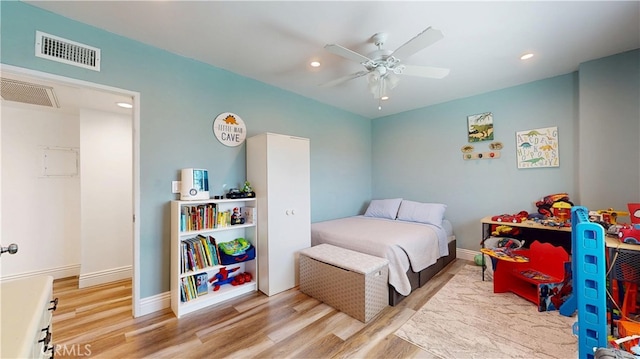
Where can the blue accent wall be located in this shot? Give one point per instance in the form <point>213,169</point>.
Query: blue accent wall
<point>417,154</point>
<point>609,131</point>
<point>179,100</point>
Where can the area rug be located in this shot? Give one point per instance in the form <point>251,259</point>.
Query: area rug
<point>465,319</point>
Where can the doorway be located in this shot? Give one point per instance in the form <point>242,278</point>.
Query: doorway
<point>57,169</point>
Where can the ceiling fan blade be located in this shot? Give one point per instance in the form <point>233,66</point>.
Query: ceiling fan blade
<point>425,71</point>
<point>427,37</point>
<point>344,79</point>
<point>346,53</point>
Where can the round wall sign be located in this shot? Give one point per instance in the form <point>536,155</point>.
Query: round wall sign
<point>229,129</point>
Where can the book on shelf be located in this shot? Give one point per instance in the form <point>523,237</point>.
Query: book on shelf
<point>201,283</point>
<point>194,286</point>
<point>198,253</point>
<point>249,214</point>
<point>183,294</point>
<point>186,288</point>
<point>200,217</point>
<point>214,247</point>
<point>223,219</point>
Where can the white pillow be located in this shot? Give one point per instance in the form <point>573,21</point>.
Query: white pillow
<point>383,208</point>
<point>429,213</point>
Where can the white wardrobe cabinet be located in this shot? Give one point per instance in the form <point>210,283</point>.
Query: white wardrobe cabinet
<point>279,171</point>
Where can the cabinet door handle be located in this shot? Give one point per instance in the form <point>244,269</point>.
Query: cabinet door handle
<point>55,304</point>
<point>47,338</point>
<point>52,348</point>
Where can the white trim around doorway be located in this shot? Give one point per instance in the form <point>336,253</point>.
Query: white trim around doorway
<point>136,302</point>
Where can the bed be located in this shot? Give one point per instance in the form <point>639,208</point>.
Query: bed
<point>414,237</point>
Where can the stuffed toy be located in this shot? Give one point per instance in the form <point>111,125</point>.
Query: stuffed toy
<point>545,206</point>
<point>222,277</point>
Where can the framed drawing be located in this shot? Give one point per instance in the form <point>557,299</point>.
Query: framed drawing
<point>538,148</point>
<point>480,127</point>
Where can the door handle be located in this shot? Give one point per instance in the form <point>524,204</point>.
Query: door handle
<point>12,249</point>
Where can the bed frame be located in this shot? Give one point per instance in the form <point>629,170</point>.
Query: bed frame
<point>418,279</point>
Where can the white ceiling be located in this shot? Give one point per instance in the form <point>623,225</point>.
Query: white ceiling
<point>273,41</point>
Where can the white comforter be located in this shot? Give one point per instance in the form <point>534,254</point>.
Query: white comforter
<point>404,244</point>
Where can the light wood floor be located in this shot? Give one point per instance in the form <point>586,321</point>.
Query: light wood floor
<point>96,322</point>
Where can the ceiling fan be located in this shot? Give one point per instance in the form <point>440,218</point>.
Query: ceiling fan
<point>382,65</point>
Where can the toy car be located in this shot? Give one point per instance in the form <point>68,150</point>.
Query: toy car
<point>505,218</point>
<point>513,218</point>
<point>630,234</point>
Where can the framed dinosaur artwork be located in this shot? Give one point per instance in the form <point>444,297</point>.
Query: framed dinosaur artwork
<point>537,148</point>
<point>480,127</point>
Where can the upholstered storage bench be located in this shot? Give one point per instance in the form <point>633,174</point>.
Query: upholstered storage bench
<point>352,282</point>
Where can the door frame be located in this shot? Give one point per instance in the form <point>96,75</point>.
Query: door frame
<point>9,69</point>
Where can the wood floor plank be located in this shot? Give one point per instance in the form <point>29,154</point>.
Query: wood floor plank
<point>97,322</point>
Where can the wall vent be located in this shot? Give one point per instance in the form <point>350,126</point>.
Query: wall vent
<point>66,51</point>
<point>25,92</point>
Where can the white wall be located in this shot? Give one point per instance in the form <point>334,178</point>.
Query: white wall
<point>106,197</point>
<point>66,226</point>
<point>40,214</point>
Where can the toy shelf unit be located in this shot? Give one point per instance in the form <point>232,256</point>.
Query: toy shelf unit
<point>197,228</point>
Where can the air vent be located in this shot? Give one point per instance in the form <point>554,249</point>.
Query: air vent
<point>29,93</point>
<point>67,51</point>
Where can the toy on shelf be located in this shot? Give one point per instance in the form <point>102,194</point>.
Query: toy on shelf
<point>630,233</point>
<point>545,205</point>
<point>562,211</point>
<point>247,190</point>
<point>513,218</point>
<point>553,222</point>
<point>236,217</point>
<point>610,215</point>
<point>634,212</point>
<point>504,230</point>
<point>241,278</point>
<point>222,277</point>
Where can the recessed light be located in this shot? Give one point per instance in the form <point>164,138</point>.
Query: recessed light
<point>384,98</point>
<point>526,56</point>
<point>315,64</point>
<point>124,105</point>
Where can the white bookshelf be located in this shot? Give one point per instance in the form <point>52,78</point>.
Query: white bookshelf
<point>222,233</point>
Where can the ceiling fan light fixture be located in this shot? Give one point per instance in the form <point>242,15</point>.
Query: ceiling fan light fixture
<point>382,66</point>
<point>392,80</point>
<point>379,89</point>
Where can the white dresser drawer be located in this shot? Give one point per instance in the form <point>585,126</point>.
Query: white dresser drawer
<point>27,306</point>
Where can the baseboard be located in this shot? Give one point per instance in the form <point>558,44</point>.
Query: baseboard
<point>154,303</point>
<point>105,276</point>
<point>57,273</point>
